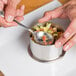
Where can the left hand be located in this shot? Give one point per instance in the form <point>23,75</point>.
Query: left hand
<point>10,12</point>
<point>66,11</point>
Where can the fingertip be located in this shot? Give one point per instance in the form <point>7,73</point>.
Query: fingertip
<point>9,18</point>
<point>58,44</point>
<point>20,18</point>
<point>20,12</point>
<point>67,46</point>
<point>22,7</point>
<point>40,21</point>
<point>44,19</point>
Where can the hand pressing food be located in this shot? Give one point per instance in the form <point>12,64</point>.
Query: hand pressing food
<point>68,10</point>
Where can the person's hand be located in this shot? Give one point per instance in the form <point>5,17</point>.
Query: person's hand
<point>10,12</point>
<point>66,11</point>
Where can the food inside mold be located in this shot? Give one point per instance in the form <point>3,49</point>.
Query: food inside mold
<point>53,29</point>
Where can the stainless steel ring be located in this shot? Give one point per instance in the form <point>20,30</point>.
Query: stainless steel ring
<point>45,53</point>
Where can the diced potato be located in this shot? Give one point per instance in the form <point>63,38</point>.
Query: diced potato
<point>41,27</point>
<point>45,29</point>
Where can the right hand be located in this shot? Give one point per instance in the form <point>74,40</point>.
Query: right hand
<point>68,39</point>
<point>9,8</point>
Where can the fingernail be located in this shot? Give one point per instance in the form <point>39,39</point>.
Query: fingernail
<point>9,18</point>
<point>40,20</point>
<point>66,35</point>
<point>43,20</point>
<point>58,44</point>
<point>67,47</point>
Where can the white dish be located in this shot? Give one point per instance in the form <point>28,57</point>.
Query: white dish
<point>14,57</point>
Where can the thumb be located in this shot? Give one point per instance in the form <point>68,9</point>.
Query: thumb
<point>10,12</point>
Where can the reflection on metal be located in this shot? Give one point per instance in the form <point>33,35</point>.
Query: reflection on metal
<point>35,58</point>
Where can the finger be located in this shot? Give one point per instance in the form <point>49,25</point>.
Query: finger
<point>71,29</point>
<point>44,19</point>
<point>1,5</point>
<point>9,13</point>
<point>67,34</point>
<point>4,1</point>
<point>20,12</point>
<point>9,24</point>
<point>63,16</point>
<point>3,23</point>
<point>13,23</point>
<point>60,42</point>
<point>19,18</point>
<point>70,44</point>
<point>10,10</point>
<point>52,14</point>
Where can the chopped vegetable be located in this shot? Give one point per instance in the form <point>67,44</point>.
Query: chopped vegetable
<point>45,43</point>
<point>44,38</point>
<point>37,28</point>
<point>49,28</point>
<point>50,42</point>
<point>45,29</point>
<point>37,31</point>
<point>55,34</point>
<point>55,29</point>
<point>48,25</point>
<point>41,27</point>
<point>50,31</point>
